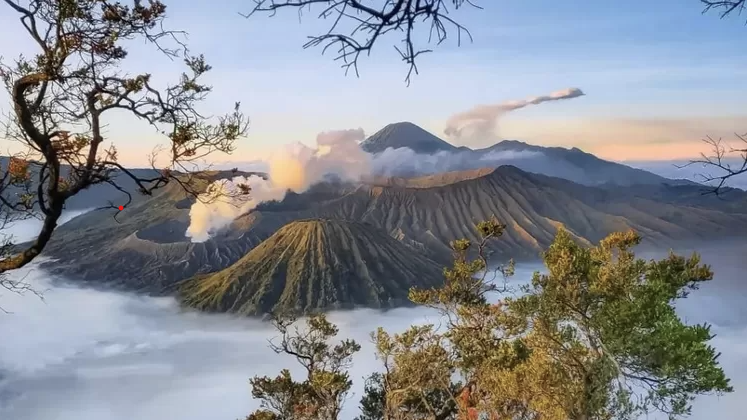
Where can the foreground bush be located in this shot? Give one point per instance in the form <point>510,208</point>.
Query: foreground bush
<point>597,337</point>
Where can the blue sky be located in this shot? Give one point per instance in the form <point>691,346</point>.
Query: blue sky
<point>658,75</point>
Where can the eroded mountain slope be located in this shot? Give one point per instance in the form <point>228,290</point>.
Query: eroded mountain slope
<point>146,252</point>
<point>313,265</point>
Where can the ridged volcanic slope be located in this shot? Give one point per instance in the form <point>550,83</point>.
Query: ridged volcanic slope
<point>314,265</point>
<point>133,254</point>
<point>533,207</point>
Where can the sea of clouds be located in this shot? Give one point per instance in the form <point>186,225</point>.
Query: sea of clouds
<point>82,354</point>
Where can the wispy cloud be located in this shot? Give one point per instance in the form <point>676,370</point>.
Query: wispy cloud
<point>480,122</point>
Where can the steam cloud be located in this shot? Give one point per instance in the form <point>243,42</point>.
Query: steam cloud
<point>297,167</point>
<point>223,202</point>
<point>480,122</point>
<point>294,168</point>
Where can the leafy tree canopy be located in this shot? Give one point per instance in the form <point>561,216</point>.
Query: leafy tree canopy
<point>322,391</point>
<point>594,337</point>
<point>63,92</point>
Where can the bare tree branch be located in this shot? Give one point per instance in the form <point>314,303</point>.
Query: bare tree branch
<point>725,8</point>
<point>722,155</point>
<point>356,27</point>
<point>728,161</point>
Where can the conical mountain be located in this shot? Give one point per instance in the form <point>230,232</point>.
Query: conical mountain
<point>313,265</point>
<point>572,164</point>
<point>405,134</point>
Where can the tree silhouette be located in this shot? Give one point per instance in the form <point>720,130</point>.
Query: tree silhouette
<point>729,161</point>
<point>64,90</point>
<point>356,27</point>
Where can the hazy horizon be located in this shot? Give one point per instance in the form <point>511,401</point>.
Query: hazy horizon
<point>657,79</point>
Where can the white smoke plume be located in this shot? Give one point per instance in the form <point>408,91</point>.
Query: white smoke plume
<point>298,166</point>
<point>480,123</point>
<point>295,167</point>
<point>223,202</point>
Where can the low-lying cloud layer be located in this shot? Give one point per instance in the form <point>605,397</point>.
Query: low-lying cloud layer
<point>21,230</point>
<point>481,122</point>
<point>92,355</point>
<point>83,354</point>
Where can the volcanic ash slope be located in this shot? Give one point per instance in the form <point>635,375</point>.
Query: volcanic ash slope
<point>314,265</point>
<point>145,249</point>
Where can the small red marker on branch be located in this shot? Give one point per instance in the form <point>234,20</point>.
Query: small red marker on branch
<point>121,208</point>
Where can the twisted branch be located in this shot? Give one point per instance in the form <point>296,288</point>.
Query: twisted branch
<point>367,24</point>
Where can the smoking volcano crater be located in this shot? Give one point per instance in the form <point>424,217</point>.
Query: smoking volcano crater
<point>170,231</point>
<point>159,242</point>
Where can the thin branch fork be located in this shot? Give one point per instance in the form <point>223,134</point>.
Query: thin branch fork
<point>720,160</point>
<point>726,7</point>
<point>370,24</point>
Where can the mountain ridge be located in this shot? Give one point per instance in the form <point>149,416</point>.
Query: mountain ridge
<point>574,164</point>
<point>312,265</point>
<point>139,253</point>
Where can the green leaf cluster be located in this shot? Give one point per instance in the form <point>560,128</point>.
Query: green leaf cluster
<point>593,337</point>
<point>322,391</point>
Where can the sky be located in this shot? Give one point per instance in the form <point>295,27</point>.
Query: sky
<point>658,76</point>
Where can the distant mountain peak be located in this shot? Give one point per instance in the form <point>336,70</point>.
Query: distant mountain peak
<point>509,142</point>
<point>405,134</point>
<point>403,125</point>
<point>570,163</point>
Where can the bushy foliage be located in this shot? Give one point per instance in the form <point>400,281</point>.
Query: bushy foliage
<point>63,91</point>
<point>595,336</point>
<point>323,390</point>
